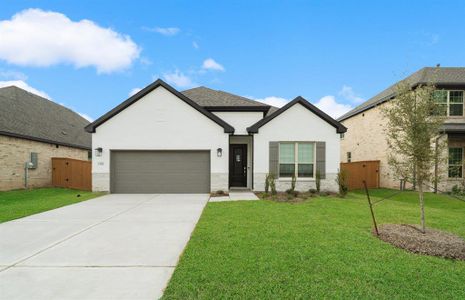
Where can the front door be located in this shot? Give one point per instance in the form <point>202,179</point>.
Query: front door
<point>238,165</point>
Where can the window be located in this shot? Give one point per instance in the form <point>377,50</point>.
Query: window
<point>349,156</point>
<point>455,162</point>
<point>296,159</point>
<point>455,103</point>
<point>342,136</point>
<point>450,103</point>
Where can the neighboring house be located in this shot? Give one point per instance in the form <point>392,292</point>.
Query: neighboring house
<point>201,140</point>
<point>365,138</point>
<point>34,129</point>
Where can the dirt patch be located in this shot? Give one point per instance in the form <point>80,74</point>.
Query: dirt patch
<point>292,197</point>
<point>219,194</point>
<point>433,242</point>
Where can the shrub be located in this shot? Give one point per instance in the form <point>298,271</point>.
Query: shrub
<point>341,182</point>
<point>267,183</point>
<point>456,190</point>
<point>312,191</point>
<point>220,192</point>
<point>318,180</point>
<point>272,183</point>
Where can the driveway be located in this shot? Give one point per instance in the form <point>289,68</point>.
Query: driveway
<point>111,247</point>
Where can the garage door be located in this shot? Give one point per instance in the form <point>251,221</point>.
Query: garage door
<point>160,172</point>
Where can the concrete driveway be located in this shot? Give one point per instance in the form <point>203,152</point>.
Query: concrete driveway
<point>111,247</point>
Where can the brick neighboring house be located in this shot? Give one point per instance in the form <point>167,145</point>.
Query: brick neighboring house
<point>34,126</point>
<point>365,138</point>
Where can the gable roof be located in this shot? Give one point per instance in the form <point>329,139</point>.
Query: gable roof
<point>440,76</point>
<point>29,116</point>
<point>91,127</point>
<point>299,100</point>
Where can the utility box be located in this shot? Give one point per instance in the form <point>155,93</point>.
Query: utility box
<point>34,160</point>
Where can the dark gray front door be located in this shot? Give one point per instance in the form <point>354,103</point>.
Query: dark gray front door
<point>238,165</point>
<point>160,172</point>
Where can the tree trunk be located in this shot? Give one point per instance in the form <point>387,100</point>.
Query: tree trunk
<point>422,206</point>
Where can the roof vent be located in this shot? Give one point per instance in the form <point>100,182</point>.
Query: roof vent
<point>63,132</point>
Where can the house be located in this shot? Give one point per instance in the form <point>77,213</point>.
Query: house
<point>34,129</point>
<point>365,138</point>
<point>161,140</point>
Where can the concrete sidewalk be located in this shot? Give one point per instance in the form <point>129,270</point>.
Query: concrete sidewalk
<point>111,247</point>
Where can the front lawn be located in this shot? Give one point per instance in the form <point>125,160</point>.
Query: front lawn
<point>20,203</point>
<point>322,248</point>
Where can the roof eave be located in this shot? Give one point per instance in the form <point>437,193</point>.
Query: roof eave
<point>339,127</point>
<point>42,140</point>
<point>92,126</point>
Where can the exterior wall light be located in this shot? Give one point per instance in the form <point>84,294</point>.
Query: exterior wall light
<point>219,152</point>
<point>98,151</point>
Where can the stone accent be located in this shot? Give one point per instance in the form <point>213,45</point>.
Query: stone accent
<point>15,152</point>
<point>101,182</point>
<point>219,182</point>
<point>329,184</point>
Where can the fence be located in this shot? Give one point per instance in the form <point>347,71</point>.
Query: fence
<point>71,173</point>
<point>360,171</point>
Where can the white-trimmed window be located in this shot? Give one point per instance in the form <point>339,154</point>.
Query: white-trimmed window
<point>450,103</point>
<point>296,159</point>
<point>455,162</point>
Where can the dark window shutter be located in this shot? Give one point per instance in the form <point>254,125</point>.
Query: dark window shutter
<point>321,158</point>
<point>274,158</point>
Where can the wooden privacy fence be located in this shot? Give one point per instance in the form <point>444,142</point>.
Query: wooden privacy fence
<point>72,173</point>
<point>359,171</point>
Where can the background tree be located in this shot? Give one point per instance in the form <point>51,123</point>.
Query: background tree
<point>414,122</point>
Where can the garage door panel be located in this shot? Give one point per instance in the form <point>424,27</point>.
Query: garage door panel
<point>160,172</point>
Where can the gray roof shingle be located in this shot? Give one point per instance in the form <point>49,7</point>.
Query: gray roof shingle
<point>207,97</point>
<point>26,115</point>
<point>445,76</point>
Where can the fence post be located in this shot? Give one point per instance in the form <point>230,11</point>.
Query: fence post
<point>371,207</point>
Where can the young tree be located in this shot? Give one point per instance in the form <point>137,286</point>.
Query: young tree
<point>414,120</point>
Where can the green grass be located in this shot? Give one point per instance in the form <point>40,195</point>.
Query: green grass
<point>321,248</point>
<point>20,203</point>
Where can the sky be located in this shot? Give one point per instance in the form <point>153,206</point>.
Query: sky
<point>92,55</point>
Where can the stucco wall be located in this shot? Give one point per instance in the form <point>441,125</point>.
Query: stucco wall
<point>296,124</point>
<point>14,152</point>
<point>160,121</point>
<point>240,120</point>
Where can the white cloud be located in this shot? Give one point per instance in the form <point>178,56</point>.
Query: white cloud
<point>178,79</point>
<point>195,45</point>
<point>12,75</point>
<point>211,64</point>
<point>34,37</point>
<point>23,85</point>
<point>134,91</point>
<point>273,101</point>
<point>329,105</point>
<point>167,31</point>
<point>348,93</point>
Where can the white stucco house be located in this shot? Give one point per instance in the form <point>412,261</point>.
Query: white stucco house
<point>161,140</point>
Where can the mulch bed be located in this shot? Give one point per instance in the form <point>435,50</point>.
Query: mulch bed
<point>433,242</point>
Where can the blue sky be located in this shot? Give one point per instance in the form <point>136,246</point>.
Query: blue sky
<point>333,53</point>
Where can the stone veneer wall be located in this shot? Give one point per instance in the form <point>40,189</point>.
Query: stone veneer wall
<point>366,140</point>
<point>328,184</point>
<point>14,152</point>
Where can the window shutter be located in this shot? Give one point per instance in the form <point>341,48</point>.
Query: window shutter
<point>321,158</point>
<point>274,157</point>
